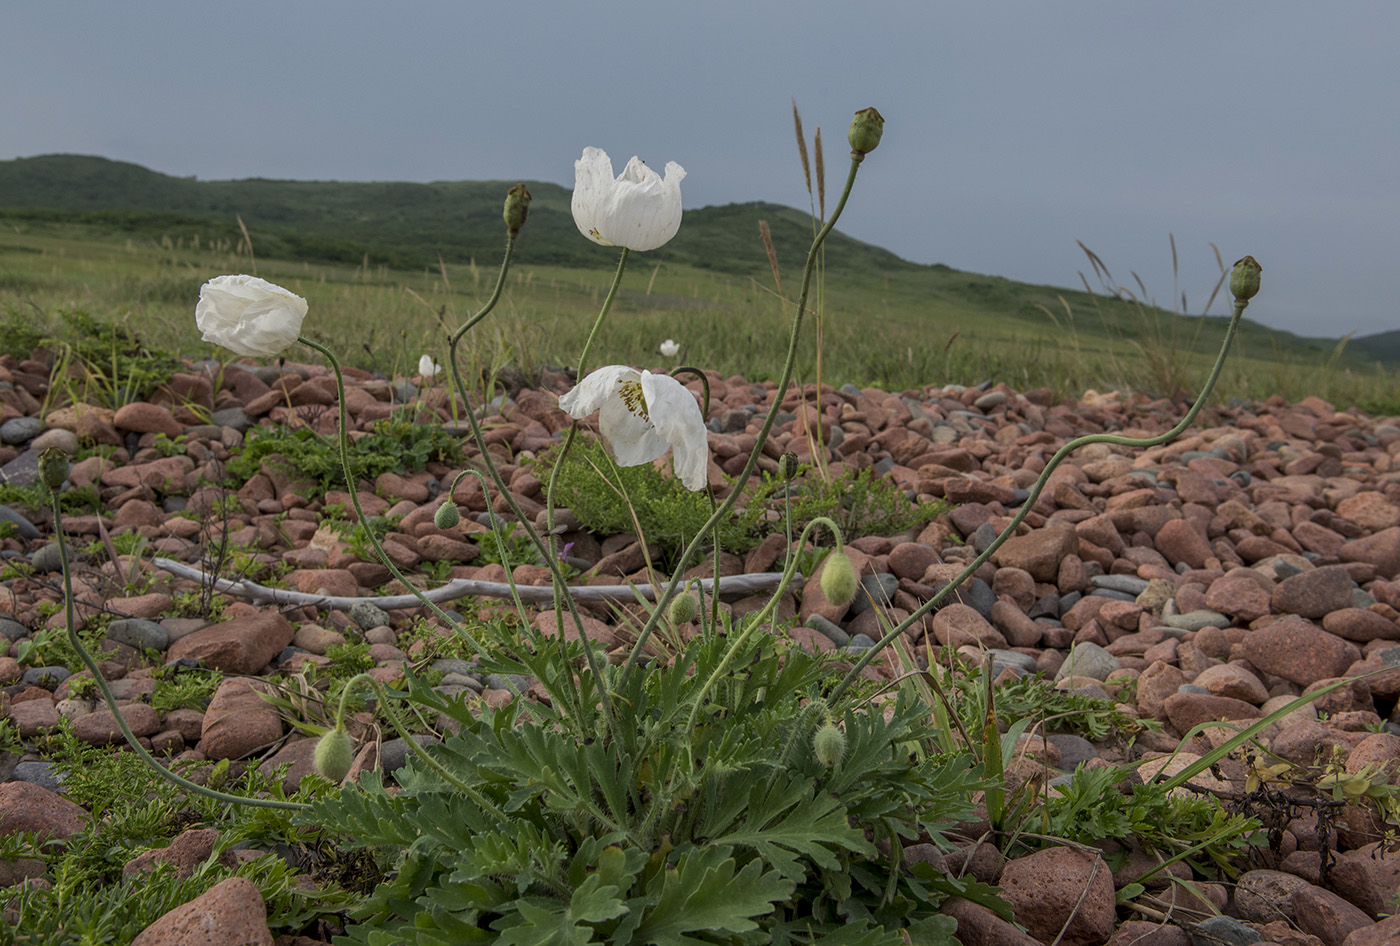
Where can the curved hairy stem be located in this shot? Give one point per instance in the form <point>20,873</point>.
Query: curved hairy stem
<point>1035,492</point>
<point>738,485</point>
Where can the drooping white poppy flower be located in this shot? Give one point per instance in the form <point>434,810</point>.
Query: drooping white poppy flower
<point>427,367</point>
<point>639,209</point>
<point>641,415</point>
<point>669,349</point>
<point>249,316</point>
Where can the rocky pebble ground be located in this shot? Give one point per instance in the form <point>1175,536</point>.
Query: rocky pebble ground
<point>1255,559</point>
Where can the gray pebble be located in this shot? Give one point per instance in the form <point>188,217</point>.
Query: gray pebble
<point>25,527</point>
<point>1074,750</point>
<point>12,630</point>
<point>38,773</point>
<point>1087,660</point>
<point>46,558</point>
<point>1011,658</point>
<point>858,643</point>
<point>18,430</point>
<point>1193,688</point>
<point>840,638</point>
<point>1195,620</point>
<point>1227,930</point>
<point>1129,584</point>
<point>1112,594</point>
<point>368,615</point>
<point>393,753</point>
<point>877,588</point>
<point>232,417</point>
<point>139,633</point>
<point>47,677</point>
<point>461,681</point>
<point>57,438</point>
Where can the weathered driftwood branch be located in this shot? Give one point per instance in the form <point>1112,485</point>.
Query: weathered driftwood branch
<point>461,588</point>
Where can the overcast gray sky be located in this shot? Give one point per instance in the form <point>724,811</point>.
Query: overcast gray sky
<point>1013,129</point>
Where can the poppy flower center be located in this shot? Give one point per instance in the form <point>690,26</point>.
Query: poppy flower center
<point>631,394</point>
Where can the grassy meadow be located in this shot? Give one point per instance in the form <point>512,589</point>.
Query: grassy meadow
<point>892,326</point>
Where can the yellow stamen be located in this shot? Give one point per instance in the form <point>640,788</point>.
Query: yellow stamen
<point>631,394</point>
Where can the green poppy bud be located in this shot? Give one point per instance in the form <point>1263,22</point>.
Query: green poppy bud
<point>683,608</point>
<point>447,515</point>
<point>1244,279</point>
<point>517,208</point>
<point>839,579</point>
<point>829,744</point>
<point>53,468</point>
<point>334,754</point>
<point>865,132</point>
<point>788,465</point>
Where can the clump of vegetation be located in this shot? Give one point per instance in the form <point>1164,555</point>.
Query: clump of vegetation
<point>861,503</point>
<point>605,498</point>
<point>397,444</point>
<point>99,362</point>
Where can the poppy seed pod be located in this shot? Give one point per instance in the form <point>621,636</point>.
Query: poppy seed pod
<point>447,515</point>
<point>1244,279</point>
<point>866,129</point>
<point>334,754</point>
<point>517,208</point>
<point>53,468</point>
<point>788,465</point>
<point>839,579</point>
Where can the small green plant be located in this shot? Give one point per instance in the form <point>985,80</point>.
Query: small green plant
<point>604,498</point>
<point>183,688</point>
<point>862,503</point>
<point>395,445</point>
<point>167,447</point>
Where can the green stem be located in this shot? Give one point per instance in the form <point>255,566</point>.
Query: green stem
<point>352,485</point>
<point>738,485</point>
<point>755,621</point>
<point>1035,492</point>
<point>111,700</point>
<point>603,312</point>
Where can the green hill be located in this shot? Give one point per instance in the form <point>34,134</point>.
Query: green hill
<point>402,225</point>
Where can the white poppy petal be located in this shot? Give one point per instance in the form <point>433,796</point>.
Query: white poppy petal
<point>676,416</point>
<point>639,209</point>
<point>249,316</point>
<point>594,390</point>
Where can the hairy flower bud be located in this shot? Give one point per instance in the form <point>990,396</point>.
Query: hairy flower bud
<point>447,515</point>
<point>53,468</point>
<point>1244,279</point>
<point>788,465</point>
<point>839,579</point>
<point>866,129</point>
<point>517,208</point>
<point>683,608</point>
<point>334,754</point>
<point>829,744</point>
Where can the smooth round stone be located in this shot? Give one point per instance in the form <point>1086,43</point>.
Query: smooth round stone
<point>1011,658</point>
<point>1087,660</point>
<point>881,467</point>
<point>1112,594</point>
<point>233,417</point>
<point>40,773</point>
<point>47,558</point>
<point>990,400</point>
<point>139,633</point>
<point>980,597</point>
<point>25,527</point>
<point>393,753</point>
<point>1074,750</point>
<point>506,681</point>
<point>12,630</point>
<point>840,638</point>
<point>1226,930</point>
<point>879,588</point>
<point>19,430</point>
<point>46,677</point>
<point>984,536</point>
<point>1361,599</point>
<point>1068,601</point>
<point>851,389</point>
<point>1390,656</point>
<point>463,681</point>
<point>174,504</point>
<point>368,615</point>
<point>453,665</point>
<point>1128,584</point>
<point>1218,453</point>
<point>858,643</point>
<point>1195,620</point>
<point>1193,688</point>
<point>57,439</point>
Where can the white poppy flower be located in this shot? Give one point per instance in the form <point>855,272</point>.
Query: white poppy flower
<point>641,415</point>
<point>639,209</point>
<point>669,349</point>
<point>249,316</point>
<point>427,367</point>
